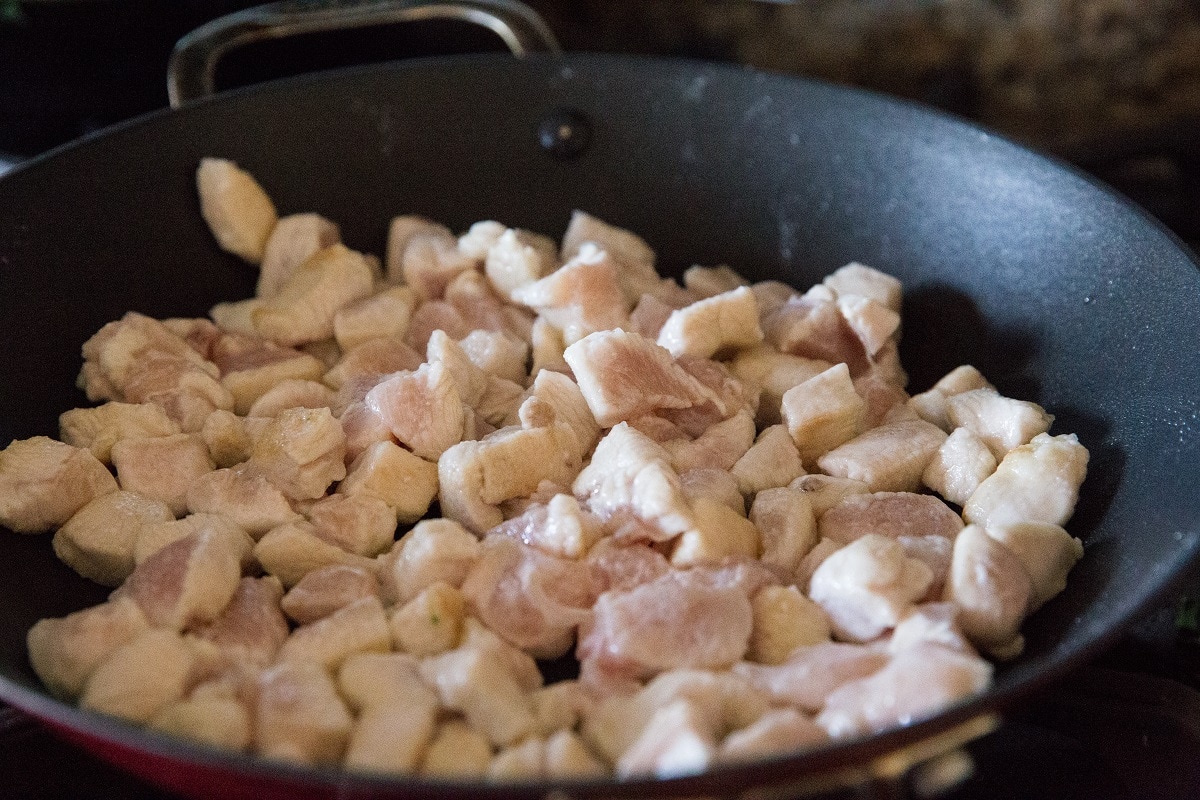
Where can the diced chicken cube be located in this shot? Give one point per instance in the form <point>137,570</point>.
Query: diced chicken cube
<point>154,536</point>
<point>65,651</point>
<point>559,527</point>
<point>651,313</point>
<point>890,458</point>
<point>719,447</point>
<point>422,409</point>
<point>435,315</point>
<point>872,322</point>
<point>227,437</point>
<point>401,231</point>
<point>43,483</point>
<point>561,705</point>
<point>720,532</point>
<point>566,756</point>
<point>933,405</point>
<point>99,428</point>
<point>301,451</point>
<point>497,353</point>
<point>868,586</point>
<point>786,525</point>
<point>781,730</point>
<point>382,315</point>
<point>304,308</point>
<point>915,684</point>
<point>581,297</point>
<point>859,279</point>
<point>299,716</point>
<point>823,412</point>
<point>363,429</point>
<point>771,462</point>
<point>624,376</point>
<point>891,514</point>
<point>162,467</point>
<point>251,629</point>
<point>810,673</point>
<point>435,550</point>
<point>716,485</point>
<point>546,348</point>
<point>327,589</point>
<point>191,580</point>
<point>1036,482</point>
<point>98,541</point>
<point>715,325</point>
<point>773,373</point>
<point>246,497</point>
<point>293,549</point>
<point>238,212</point>
<point>457,751</point>
<point>570,407</point>
<point>681,739</point>
<point>219,722</point>
<point>711,281</point>
<point>371,360</point>
<point>784,619</point>
<point>357,523</point>
<point>391,740</point>
<point>293,240</point>
<point>637,274</point>
<point>141,677</point>
<point>1001,422</point>
<point>1047,552</point>
<point>992,590</point>
<point>360,627</point>
<point>431,260</point>
<point>291,393</point>
<point>501,400</point>
<point>518,258</point>
<point>813,326</point>
<point>930,623</point>
<point>406,482</point>
<point>430,623</point>
<point>249,382</point>
<point>959,466</point>
<point>476,682</point>
<point>826,491</point>
<point>813,559</point>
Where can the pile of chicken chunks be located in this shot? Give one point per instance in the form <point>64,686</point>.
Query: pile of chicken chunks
<point>717,495</point>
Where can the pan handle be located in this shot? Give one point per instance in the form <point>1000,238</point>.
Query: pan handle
<point>194,60</point>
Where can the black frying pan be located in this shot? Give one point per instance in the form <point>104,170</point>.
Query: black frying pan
<point>1058,290</point>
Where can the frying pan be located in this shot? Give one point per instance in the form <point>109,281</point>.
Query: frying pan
<point>1056,288</point>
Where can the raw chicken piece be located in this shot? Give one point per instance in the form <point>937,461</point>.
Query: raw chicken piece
<point>434,550</point>
<point>299,716</point>
<point>469,380</point>
<point>624,376</point>
<point>360,627</point>
<point>364,428</point>
<point>250,367</point>
<point>649,316</point>
<point>885,398</point>
<point>562,705</point>
<point>582,296</point>
<point>292,550</point>
<point>812,326</point>
<point>630,474</point>
<point>384,681</point>
<point>382,315</point>
<point>872,322</point>
<point>637,274</point>
<point>781,730</point>
<point>773,373</point>
<point>154,536</point>
<point>558,528</point>
<point>422,409</point>
<point>546,346</point>
<point>932,406</point>
<point>959,466</point>
<point>787,526</point>
<point>237,210</point>
<point>397,713</point>
<point>500,400</point>
<point>251,629</point>
<point>44,482</point>
<point>784,619</point>
<point>385,470</point>
<point>823,412</point>
<point>563,755</point>
<point>728,396</point>
<point>859,279</point>
<point>813,559</point>
<point>99,539</point>
<point>357,523</point>
<point>457,751</point>
<point>826,491</point>
<point>868,586</point>
<point>809,674</point>
<point>291,393</point>
<point>217,722</point>
<point>162,467</point>
<point>481,308</point>
<point>720,533</point>
<point>65,651</point>
<point>431,623</point>
<point>1036,482</point>
<point>326,589</point>
<point>718,324</point>
<point>247,498</point>
<point>621,567</point>
<point>711,281</point>
<point>227,437</point>
<point>713,484</point>
<point>370,360</point>
<point>935,552</point>
<point>1001,422</point>
<point>532,600</point>
<point>677,620</point>
<point>401,231</point>
<point>302,451</point>
<point>142,676</point>
<point>890,458</point>
<point>303,310</point>
<point>992,590</point>
<point>680,739</point>
<point>99,428</point>
<point>564,396</point>
<point>518,258</point>
<point>930,623</point>
<point>771,462</point>
<point>719,447</point>
<point>891,514</point>
<point>293,240</point>
<point>431,260</point>
<point>1047,552</point>
<point>916,683</point>
<point>497,353</point>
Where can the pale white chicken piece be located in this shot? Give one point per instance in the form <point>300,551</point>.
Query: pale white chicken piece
<point>293,240</point>
<point>932,406</point>
<point>228,438</point>
<point>812,326</point>
<point>299,716</point>
<point>385,470</point>
<point>1036,482</point>
<point>622,567</point>
<point>916,683</point>
<point>518,258</point>
<point>570,407</point>
<point>431,623</point>
<point>251,367</point>
<point>43,483</point>
<point>384,681</point>
<point>719,447</point>
<point>809,674</point>
<point>826,491</point>
<point>327,589</point>
<point>680,739</point>
<point>787,526</point>
<point>291,393</point>
<point>357,523</point>
<point>501,400</point>
<point>1001,422</point>
<point>581,297</point>
<point>562,755</point>
<point>65,651</point>
<point>1047,552</point>
<point>727,396</point>
<point>780,730</point>
<point>423,409</point>
<point>624,376</point>
<point>772,461</point>
<point>930,623</point>
<point>396,712</point>
<point>431,261</point>
<point>143,676</point>
<point>162,467</point>
<point>823,412</point>
<point>98,540</point>
<point>217,722</point>
<point>154,536</point>
<point>958,467</point>
<point>711,281</point>
<point>859,279</point>
<point>301,451</point>
<point>715,325</point>
<point>292,550</point>
<point>384,314</point>
<point>401,231</point>
<point>637,274</point>
<point>891,514</point>
<point>713,484</point>
<point>651,313</point>
<point>497,353</point>
<point>469,380</point>
<point>457,751</point>
<point>475,477</point>
<point>252,628</point>
<point>376,357</point>
<point>435,550</point>
<point>546,348</point>
<point>562,706</point>
<point>238,212</point>
<point>246,497</point>
<point>868,586</point>
<point>100,427</point>
<point>872,321</point>
<point>720,533</point>
<point>992,590</point>
<point>890,458</point>
<point>773,373</point>
<point>784,619</point>
<point>361,627</point>
<point>630,473</point>
<point>304,308</point>
<point>559,527</point>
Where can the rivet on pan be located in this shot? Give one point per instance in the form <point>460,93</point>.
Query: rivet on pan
<point>565,133</point>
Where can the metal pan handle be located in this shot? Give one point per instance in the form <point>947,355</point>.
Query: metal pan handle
<point>194,60</point>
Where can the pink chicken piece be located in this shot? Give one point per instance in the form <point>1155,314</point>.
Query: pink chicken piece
<point>813,326</point>
<point>811,673</point>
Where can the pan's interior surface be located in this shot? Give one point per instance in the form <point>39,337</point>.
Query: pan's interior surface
<point>1058,290</point>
